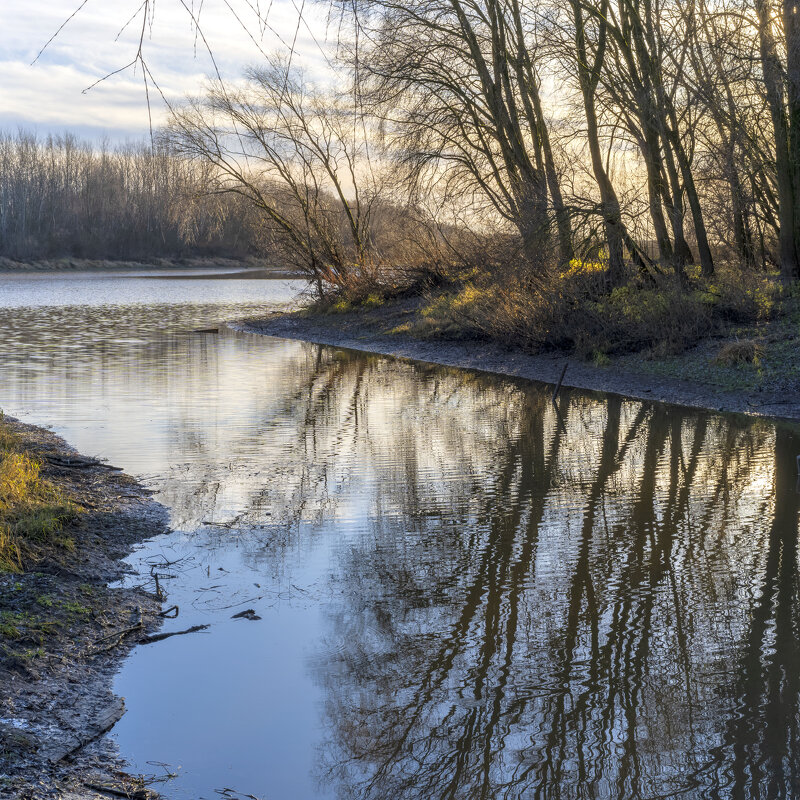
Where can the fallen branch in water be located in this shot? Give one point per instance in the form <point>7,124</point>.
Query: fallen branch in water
<point>159,636</point>
<point>248,613</point>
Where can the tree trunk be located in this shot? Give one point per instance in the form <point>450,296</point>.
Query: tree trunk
<point>674,203</point>
<point>609,202</point>
<point>791,25</point>
<point>773,83</point>
<point>533,223</point>
<point>562,215</point>
<point>652,158</point>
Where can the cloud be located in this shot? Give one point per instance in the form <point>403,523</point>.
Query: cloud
<point>49,95</point>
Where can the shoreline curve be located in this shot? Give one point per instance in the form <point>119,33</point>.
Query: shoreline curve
<point>350,332</point>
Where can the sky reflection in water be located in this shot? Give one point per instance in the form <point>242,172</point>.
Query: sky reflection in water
<point>460,596</point>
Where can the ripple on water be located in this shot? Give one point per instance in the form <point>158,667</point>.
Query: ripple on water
<point>459,595</point>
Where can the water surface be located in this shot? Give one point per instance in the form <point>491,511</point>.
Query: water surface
<point>464,593</point>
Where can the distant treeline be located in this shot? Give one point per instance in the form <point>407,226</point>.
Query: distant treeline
<point>62,197</point>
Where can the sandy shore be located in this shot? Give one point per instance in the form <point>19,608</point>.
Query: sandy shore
<point>367,331</point>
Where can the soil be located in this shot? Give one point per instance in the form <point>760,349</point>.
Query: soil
<point>59,641</point>
<point>374,330</point>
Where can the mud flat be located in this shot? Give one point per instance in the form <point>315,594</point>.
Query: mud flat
<point>375,331</point>
<point>64,631</point>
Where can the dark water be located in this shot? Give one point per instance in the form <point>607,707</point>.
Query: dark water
<point>462,594</point>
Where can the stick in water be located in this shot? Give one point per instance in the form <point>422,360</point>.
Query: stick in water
<point>558,385</point>
<point>159,636</point>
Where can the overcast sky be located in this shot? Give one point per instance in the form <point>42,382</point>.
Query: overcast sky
<point>49,96</point>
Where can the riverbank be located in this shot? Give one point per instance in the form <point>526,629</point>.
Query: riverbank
<point>692,379</point>
<point>61,622</point>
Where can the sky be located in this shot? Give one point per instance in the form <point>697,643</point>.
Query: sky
<point>49,96</point>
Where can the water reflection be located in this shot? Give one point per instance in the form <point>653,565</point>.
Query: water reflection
<point>609,611</point>
<point>462,596</point>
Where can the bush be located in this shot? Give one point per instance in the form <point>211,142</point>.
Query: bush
<point>575,311</point>
<point>736,296</point>
<point>745,351</point>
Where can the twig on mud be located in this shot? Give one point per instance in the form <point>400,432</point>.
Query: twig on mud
<point>118,636</point>
<point>132,794</point>
<point>160,636</point>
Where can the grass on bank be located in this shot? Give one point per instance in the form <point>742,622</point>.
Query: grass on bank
<point>32,510</point>
<point>575,312</point>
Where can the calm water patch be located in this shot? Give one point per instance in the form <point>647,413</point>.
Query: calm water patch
<point>463,593</point>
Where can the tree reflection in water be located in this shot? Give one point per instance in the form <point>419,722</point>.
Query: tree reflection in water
<point>517,608</point>
<point>607,609</point>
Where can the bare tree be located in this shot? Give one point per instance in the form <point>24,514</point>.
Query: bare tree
<point>299,155</point>
<point>457,83</point>
<point>62,197</point>
<point>608,127</point>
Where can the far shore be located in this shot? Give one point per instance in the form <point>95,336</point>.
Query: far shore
<point>205,267</point>
<point>374,331</point>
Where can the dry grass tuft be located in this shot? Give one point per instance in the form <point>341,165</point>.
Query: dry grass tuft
<point>32,511</point>
<point>741,351</point>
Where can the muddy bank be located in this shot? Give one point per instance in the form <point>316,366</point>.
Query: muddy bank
<point>60,640</point>
<point>374,331</point>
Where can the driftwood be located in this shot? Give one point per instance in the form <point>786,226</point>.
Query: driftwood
<point>161,595</point>
<point>248,613</point>
<point>157,637</point>
<point>80,462</point>
<point>131,794</point>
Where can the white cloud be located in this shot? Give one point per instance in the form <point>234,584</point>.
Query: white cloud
<point>49,95</point>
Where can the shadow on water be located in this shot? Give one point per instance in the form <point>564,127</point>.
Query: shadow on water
<point>461,596</point>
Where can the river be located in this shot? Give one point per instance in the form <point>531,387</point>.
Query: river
<point>463,591</point>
